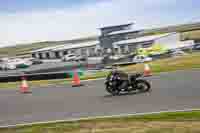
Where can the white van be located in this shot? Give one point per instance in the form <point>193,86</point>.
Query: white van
<point>141,59</point>
<point>7,65</point>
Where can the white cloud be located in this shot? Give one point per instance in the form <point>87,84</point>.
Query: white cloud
<point>62,24</point>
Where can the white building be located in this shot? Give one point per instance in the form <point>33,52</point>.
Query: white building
<point>89,49</point>
<point>170,40</point>
<point>93,48</point>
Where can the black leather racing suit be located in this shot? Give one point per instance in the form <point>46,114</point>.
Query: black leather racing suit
<point>123,79</point>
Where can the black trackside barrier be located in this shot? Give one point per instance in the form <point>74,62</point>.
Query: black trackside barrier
<point>64,68</point>
<point>45,74</point>
<point>56,69</point>
<point>38,76</point>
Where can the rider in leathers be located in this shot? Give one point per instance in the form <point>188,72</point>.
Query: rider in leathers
<point>123,77</point>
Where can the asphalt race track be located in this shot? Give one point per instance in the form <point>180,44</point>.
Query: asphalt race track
<point>177,90</point>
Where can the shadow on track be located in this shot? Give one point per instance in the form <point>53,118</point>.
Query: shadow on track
<point>128,93</point>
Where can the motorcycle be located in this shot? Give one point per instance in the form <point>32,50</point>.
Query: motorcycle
<point>134,83</point>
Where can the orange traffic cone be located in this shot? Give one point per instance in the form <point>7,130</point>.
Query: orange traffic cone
<point>76,81</point>
<point>24,86</point>
<point>147,71</point>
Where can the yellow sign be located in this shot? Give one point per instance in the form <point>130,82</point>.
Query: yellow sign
<point>154,49</point>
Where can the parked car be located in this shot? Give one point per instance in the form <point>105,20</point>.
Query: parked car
<point>11,64</point>
<point>196,46</point>
<point>177,53</point>
<point>21,63</point>
<point>116,57</point>
<point>141,59</point>
<point>69,57</point>
<point>2,66</point>
<point>27,62</point>
<point>80,58</point>
<point>7,65</point>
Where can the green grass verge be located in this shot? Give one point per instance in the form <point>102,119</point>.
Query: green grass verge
<point>184,122</point>
<point>185,62</point>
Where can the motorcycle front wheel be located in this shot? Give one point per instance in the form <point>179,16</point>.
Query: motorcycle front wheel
<point>112,91</point>
<point>143,85</point>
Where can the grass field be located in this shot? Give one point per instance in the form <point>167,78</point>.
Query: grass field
<point>185,62</point>
<point>174,122</point>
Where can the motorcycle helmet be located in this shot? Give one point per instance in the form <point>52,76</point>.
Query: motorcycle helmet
<point>114,68</point>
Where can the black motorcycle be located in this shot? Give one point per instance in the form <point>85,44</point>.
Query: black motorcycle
<point>134,83</point>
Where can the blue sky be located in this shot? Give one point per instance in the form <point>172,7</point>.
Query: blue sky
<point>27,5</point>
<point>26,21</point>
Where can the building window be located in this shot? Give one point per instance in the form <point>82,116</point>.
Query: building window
<point>34,55</point>
<point>116,51</point>
<point>73,51</point>
<point>47,55</point>
<point>105,50</point>
<point>65,52</point>
<point>40,55</point>
<point>92,51</point>
<point>126,49</point>
<point>57,54</point>
<point>122,49</point>
<point>83,52</point>
<point>99,52</point>
<point>132,48</point>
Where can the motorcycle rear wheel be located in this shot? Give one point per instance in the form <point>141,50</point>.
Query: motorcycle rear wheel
<point>143,85</point>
